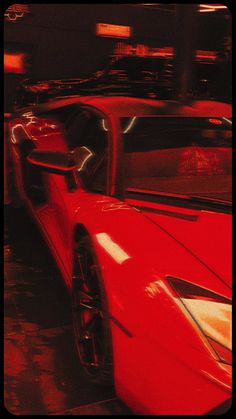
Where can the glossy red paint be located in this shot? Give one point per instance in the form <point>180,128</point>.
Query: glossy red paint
<point>163,363</point>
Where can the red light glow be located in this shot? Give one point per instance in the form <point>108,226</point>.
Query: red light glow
<point>211,7</point>
<point>15,63</point>
<point>215,121</point>
<point>114,31</point>
<point>140,50</point>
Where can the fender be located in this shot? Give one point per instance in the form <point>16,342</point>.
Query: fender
<point>135,259</point>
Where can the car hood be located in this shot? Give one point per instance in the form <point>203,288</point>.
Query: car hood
<point>206,235</point>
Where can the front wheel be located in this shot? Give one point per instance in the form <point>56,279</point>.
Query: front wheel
<point>90,316</point>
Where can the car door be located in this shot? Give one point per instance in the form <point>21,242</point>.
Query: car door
<point>33,184</point>
<point>56,215</point>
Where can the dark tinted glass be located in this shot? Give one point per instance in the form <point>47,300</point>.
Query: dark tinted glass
<point>186,156</point>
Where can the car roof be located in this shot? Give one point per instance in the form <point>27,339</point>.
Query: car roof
<point>129,106</point>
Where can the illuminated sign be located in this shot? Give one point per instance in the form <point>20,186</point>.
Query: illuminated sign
<point>140,50</point>
<point>15,62</point>
<point>202,7</point>
<point>211,7</point>
<point>113,31</point>
<point>207,55</point>
<point>16,11</point>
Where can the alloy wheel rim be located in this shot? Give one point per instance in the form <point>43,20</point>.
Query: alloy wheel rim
<point>88,314</point>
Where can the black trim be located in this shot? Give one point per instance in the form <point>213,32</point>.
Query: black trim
<point>71,181</point>
<point>189,290</point>
<point>126,331</point>
<point>170,213</point>
<point>53,170</point>
<point>180,201</point>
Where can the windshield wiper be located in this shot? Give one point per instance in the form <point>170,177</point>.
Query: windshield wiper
<point>191,201</point>
<point>214,201</point>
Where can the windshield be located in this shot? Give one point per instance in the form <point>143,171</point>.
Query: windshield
<point>178,155</point>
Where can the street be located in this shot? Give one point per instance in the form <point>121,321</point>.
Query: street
<point>42,373</point>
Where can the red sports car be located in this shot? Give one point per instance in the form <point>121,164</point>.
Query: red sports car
<point>133,197</point>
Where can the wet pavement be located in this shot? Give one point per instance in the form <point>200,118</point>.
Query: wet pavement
<point>42,375</point>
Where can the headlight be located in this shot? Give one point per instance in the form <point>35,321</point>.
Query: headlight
<point>211,312</point>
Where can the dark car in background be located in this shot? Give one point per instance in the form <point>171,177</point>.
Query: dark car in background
<point>147,76</point>
<point>133,76</point>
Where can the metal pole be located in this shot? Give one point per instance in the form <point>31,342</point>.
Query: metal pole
<point>185,46</point>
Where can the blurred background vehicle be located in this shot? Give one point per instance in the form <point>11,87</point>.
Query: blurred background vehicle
<point>116,49</point>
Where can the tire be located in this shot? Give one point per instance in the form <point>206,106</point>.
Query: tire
<point>90,316</point>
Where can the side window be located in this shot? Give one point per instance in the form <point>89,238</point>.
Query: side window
<point>89,130</point>
<point>77,127</point>
<point>86,128</point>
<point>96,139</point>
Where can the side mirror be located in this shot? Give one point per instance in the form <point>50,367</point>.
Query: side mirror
<point>61,162</point>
